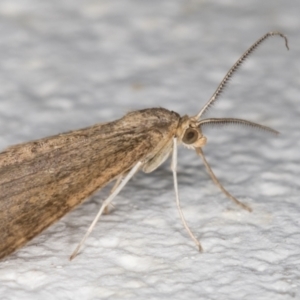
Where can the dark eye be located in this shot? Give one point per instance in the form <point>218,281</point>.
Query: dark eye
<point>190,136</point>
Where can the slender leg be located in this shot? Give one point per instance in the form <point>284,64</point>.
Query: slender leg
<point>104,204</point>
<point>118,181</point>
<point>216,181</point>
<point>174,167</point>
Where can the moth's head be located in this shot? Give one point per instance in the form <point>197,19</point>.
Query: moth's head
<point>190,133</point>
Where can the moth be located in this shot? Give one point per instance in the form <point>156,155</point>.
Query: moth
<point>42,180</point>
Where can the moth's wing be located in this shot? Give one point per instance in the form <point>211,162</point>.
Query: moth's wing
<point>42,181</point>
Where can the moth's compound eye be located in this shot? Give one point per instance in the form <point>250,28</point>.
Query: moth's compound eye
<point>190,136</point>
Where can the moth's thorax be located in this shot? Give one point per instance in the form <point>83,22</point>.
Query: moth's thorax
<point>189,133</point>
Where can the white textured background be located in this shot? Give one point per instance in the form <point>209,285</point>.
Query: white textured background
<point>67,64</point>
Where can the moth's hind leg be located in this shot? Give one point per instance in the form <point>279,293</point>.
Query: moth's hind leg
<point>116,191</point>
<point>118,181</point>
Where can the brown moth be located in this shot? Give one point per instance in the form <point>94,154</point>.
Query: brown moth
<point>42,180</point>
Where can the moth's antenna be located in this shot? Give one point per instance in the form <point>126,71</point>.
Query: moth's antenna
<point>235,67</point>
<point>230,121</point>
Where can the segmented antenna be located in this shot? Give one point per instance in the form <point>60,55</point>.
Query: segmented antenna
<point>228,121</point>
<point>235,67</point>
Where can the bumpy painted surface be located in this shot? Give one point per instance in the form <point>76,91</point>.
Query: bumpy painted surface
<point>66,65</point>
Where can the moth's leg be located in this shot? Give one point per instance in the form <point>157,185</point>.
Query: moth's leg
<point>216,181</point>
<point>174,170</point>
<point>105,204</point>
<point>118,181</point>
